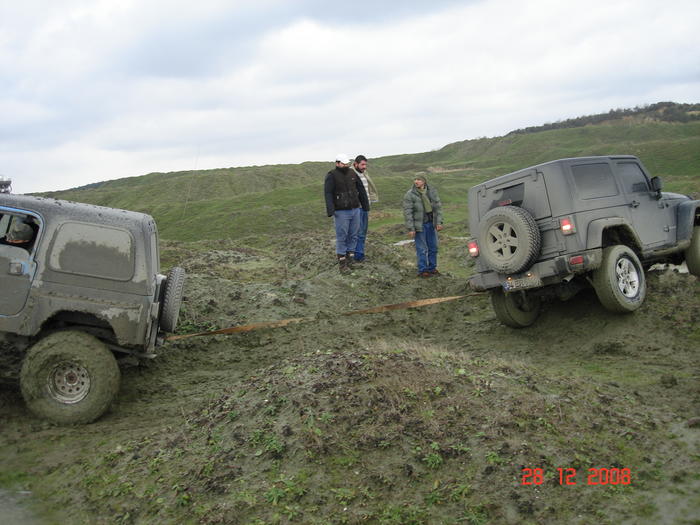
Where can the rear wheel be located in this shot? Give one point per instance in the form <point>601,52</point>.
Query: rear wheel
<point>69,377</point>
<point>516,309</point>
<point>692,254</point>
<point>620,283</point>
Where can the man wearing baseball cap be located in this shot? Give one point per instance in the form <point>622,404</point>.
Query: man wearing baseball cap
<point>345,197</point>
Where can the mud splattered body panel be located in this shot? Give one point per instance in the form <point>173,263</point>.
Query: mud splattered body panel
<point>86,261</point>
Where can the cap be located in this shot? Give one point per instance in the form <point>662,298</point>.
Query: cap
<point>342,158</point>
<point>20,231</point>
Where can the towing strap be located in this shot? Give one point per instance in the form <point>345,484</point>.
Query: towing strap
<point>285,322</point>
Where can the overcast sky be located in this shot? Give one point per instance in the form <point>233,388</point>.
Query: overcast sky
<point>103,89</point>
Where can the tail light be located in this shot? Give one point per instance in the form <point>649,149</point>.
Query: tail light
<point>567,226</point>
<point>473,248</point>
<point>576,260</point>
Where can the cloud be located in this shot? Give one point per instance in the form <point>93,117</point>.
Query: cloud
<point>108,89</point>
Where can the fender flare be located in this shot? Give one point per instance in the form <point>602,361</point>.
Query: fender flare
<point>686,219</point>
<point>598,226</point>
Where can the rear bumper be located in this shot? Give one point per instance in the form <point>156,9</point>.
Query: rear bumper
<point>550,271</point>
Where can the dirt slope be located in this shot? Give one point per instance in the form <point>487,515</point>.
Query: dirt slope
<point>418,416</point>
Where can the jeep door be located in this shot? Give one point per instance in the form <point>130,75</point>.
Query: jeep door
<point>650,216</point>
<point>17,265</point>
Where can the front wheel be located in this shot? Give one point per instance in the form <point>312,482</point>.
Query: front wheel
<point>620,283</point>
<point>515,309</point>
<point>69,377</point>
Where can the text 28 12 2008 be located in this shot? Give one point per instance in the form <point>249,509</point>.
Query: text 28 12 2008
<point>567,476</point>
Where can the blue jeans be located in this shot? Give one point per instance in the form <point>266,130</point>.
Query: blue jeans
<point>347,226</point>
<point>427,248</point>
<point>362,235</point>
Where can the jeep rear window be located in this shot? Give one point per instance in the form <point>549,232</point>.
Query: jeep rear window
<point>93,250</point>
<point>633,179</point>
<point>594,181</point>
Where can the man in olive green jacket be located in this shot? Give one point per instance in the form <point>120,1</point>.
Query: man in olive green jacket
<point>422,211</point>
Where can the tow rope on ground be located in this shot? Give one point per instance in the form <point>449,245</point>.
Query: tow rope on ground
<point>285,322</point>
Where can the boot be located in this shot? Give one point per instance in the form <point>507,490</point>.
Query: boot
<point>352,262</point>
<point>343,264</point>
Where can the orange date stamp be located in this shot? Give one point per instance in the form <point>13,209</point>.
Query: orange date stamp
<point>569,476</point>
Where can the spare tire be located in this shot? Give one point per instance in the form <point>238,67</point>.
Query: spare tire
<point>172,298</point>
<point>509,239</point>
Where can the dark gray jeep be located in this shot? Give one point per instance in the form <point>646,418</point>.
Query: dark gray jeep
<point>83,287</point>
<point>555,228</point>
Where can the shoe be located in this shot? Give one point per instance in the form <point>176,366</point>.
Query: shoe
<point>434,272</point>
<point>343,264</point>
<point>425,274</point>
<point>352,262</point>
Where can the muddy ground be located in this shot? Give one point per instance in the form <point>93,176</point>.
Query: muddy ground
<point>413,416</point>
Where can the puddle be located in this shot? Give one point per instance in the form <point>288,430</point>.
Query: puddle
<point>680,268</point>
<point>11,508</point>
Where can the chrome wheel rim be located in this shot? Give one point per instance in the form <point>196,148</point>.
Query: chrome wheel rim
<point>503,242</point>
<point>69,383</point>
<point>627,277</point>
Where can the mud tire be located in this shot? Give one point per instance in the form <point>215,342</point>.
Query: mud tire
<point>692,254</point>
<point>509,239</point>
<point>64,360</point>
<point>620,283</point>
<point>512,311</point>
<point>172,299</point>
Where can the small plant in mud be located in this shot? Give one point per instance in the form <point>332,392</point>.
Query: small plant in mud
<point>274,495</point>
<point>460,492</point>
<point>403,515</point>
<point>434,497</point>
<point>460,448</point>
<point>433,459</point>
<point>478,392</point>
<point>344,495</point>
<point>267,442</point>
<point>494,459</point>
<point>475,516</point>
<point>286,489</point>
<point>326,418</point>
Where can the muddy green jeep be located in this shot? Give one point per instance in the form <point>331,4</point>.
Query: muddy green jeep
<point>81,288</point>
<point>553,229</point>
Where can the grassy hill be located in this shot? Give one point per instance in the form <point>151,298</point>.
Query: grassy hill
<point>217,204</point>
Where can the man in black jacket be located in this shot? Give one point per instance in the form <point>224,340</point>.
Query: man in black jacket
<point>345,196</point>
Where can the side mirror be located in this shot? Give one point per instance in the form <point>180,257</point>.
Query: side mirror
<point>656,186</point>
